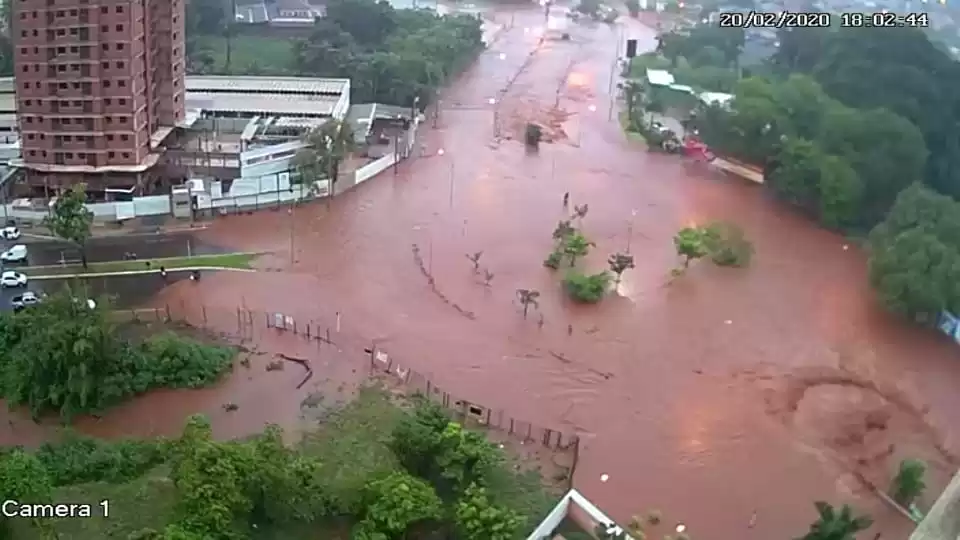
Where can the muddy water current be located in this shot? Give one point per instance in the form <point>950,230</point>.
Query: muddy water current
<point>730,399</point>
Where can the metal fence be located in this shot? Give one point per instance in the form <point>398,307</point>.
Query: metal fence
<point>255,326</point>
<point>416,382</point>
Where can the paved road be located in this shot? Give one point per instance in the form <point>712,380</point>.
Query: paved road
<point>124,291</point>
<point>111,248</point>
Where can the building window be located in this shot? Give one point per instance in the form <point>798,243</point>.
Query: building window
<point>111,155</point>
<point>124,137</point>
<point>122,83</point>
<point>105,46</point>
<point>28,102</point>
<point>69,155</point>
<point>119,9</point>
<point>123,119</point>
<point>119,65</point>
<point>23,33</point>
<point>109,136</point>
<point>104,28</point>
<point>126,155</point>
<point>26,69</point>
<point>29,119</point>
<point>119,28</point>
<point>122,101</point>
<point>109,119</point>
<point>104,10</point>
<point>119,46</point>
<point>29,136</point>
<point>33,153</point>
<point>106,84</point>
<point>105,65</point>
<point>107,102</point>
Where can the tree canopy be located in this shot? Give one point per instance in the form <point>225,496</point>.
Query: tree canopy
<point>843,165</point>
<point>900,70</point>
<point>67,357</point>
<point>443,481</point>
<point>392,56</point>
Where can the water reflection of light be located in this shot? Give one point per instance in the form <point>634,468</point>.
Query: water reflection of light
<point>578,79</point>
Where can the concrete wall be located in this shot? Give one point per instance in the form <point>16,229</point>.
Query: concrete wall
<point>374,168</point>
<point>581,511</point>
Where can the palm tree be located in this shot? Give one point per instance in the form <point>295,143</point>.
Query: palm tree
<point>576,246</point>
<point>526,298</point>
<point>327,147</point>
<point>908,484</point>
<point>620,263</point>
<point>833,525</point>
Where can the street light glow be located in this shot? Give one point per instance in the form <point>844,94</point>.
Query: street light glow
<point>681,527</point>
<point>503,56</point>
<point>492,101</point>
<point>593,108</point>
<point>440,152</point>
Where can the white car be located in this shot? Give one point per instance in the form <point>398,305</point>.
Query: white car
<point>26,299</point>
<point>12,279</point>
<point>10,233</point>
<point>17,253</point>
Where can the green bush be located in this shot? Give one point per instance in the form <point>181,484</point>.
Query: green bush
<point>553,260</point>
<point>727,245</point>
<point>79,459</point>
<point>587,289</point>
<point>62,356</point>
<point>909,484</point>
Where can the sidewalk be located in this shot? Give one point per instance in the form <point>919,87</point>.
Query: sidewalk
<point>101,230</point>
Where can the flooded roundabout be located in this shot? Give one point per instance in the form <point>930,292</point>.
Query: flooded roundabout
<point>730,399</point>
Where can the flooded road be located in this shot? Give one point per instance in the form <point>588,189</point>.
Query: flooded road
<point>730,392</point>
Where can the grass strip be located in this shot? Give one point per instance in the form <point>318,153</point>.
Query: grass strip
<point>225,260</point>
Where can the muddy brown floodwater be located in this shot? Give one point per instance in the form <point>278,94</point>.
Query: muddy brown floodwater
<point>731,392</point>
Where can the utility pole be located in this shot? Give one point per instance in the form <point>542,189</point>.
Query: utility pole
<point>613,74</point>
<point>452,176</point>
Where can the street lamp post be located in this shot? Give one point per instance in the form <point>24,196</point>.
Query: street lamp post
<point>440,152</point>
<point>496,123</point>
<point>633,214</point>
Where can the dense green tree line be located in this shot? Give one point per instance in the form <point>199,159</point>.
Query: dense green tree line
<point>64,356</point>
<point>230,489</point>
<point>391,56</point>
<point>858,128</point>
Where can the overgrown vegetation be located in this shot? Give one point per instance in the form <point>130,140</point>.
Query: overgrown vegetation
<point>64,356</point>
<point>379,471</point>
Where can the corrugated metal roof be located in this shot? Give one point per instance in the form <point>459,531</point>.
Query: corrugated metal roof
<point>657,77</point>
<point>264,104</point>
<point>252,85</point>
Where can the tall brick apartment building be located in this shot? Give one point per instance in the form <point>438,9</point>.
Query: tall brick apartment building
<point>99,85</point>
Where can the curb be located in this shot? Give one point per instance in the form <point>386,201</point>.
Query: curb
<point>49,277</point>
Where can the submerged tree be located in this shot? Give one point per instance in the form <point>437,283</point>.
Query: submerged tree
<point>528,297</point>
<point>908,484</point>
<point>475,259</point>
<point>576,246</point>
<point>833,525</point>
<point>563,230</point>
<point>690,244</point>
<point>620,263</point>
<point>580,211</point>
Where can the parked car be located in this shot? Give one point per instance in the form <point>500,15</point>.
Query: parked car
<point>10,233</point>
<point>24,300</point>
<point>17,253</point>
<point>12,279</point>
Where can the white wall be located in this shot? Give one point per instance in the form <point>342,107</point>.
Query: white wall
<point>374,168</point>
